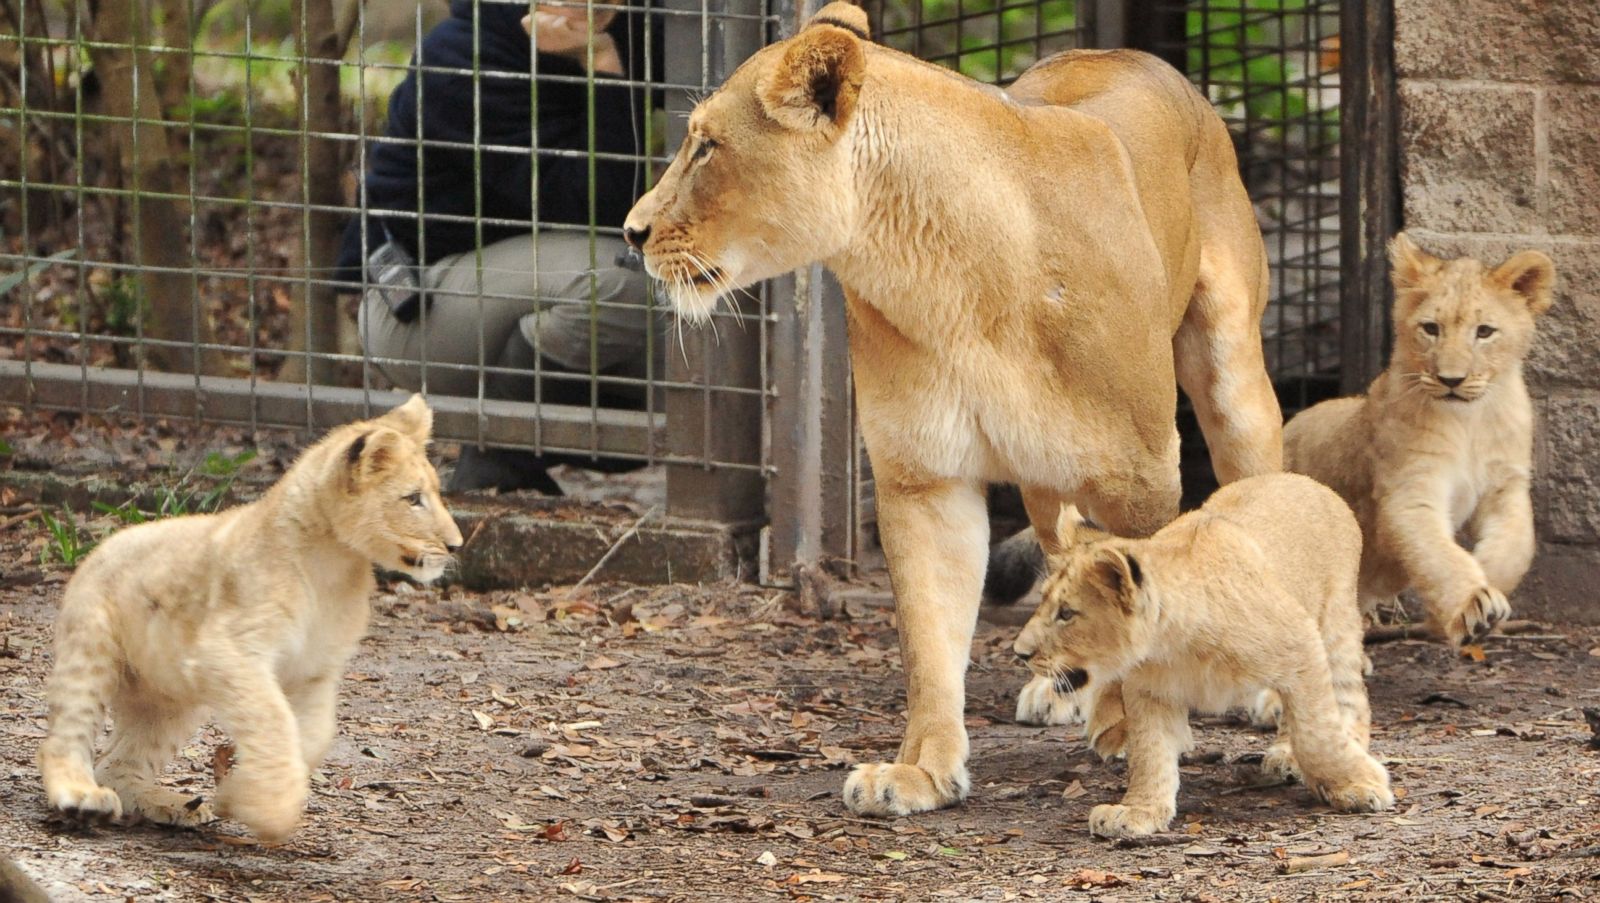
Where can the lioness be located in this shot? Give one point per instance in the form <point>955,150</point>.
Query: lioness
<point>1026,271</point>
<point>1255,591</point>
<point>251,613</point>
<point>1442,440</point>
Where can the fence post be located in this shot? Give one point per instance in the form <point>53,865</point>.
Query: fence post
<point>1369,205</point>
<point>709,426</point>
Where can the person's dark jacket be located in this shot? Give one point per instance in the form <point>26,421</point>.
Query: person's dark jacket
<point>505,109</point>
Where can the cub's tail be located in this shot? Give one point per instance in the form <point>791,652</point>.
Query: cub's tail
<point>85,675</point>
<point>1015,565</point>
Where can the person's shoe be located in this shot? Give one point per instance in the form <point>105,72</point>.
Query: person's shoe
<point>504,469</point>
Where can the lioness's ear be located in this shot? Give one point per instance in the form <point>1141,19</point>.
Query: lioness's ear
<point>1410,263</point>
<point>1120,572</point>
<point>1068,520</point>
<point>371,453</point>
<point>848,16</point>
<point>815,85</point>
<point>414,419</point>
<point>1530,274</point>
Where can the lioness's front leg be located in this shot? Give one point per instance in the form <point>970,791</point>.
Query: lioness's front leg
<point>1414,525</point>
<point>935,537</point>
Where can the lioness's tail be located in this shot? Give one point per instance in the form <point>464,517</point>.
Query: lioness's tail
<point>1015,565</point>
<point>82,681</point>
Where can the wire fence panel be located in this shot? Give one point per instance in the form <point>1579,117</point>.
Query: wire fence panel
<point>282,213</point>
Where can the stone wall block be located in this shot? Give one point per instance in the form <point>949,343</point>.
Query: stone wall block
<point>1498,40</point>
<point>1467,157</point>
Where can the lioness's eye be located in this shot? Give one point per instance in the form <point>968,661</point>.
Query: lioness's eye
<point>414,499</point>
<point>1486,330</point>
<point>1065,614</point>
<point>1430,328</point>
<point>706,146</point>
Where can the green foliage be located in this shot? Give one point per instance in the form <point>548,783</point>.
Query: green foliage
<point>1233,47</point>
<point>188,495</point>
<point>66,541</point>
<point>6,450</point>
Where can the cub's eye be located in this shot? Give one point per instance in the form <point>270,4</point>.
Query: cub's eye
<point>1431,329</point>
<point>1486,330</point>
<point>414,499</point>
<point>707,145</point>
<point>1065,614</point>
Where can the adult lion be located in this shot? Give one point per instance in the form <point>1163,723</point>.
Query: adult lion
<point>1026,273</point>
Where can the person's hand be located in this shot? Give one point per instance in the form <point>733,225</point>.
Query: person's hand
<point>563,31</point>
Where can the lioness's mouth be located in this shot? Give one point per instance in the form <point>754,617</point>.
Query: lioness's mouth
<point>706,278</point>
<point>1071,681</point>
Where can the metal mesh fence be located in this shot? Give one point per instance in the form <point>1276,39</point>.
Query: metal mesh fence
<point>281,213</point>
<point>989,40</point>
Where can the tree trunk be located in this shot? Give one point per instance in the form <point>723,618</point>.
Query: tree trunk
<point>314,319</point>
<point>172,311</point>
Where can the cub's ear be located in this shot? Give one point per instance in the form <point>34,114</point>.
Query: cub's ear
<point>1120,573</point>
<point>1530,274</point>
<point>814,86</point>
<point>371,454</point>
<point>414,419</point>
<point>848,16</point>
<point>1410,263</point>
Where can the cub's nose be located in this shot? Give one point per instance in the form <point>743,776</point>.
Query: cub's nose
<point>1450,382</point>
<point>636,237</point>
<point>1022,656</point>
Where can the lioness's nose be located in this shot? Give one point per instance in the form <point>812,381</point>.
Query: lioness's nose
<point>636,237</point>
<point>1450,382</point>
<point>452,548</point>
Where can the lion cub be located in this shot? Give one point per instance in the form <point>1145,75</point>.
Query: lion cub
<point>1255,591</point>
<point>250,613</point>
<point>1443,440</point>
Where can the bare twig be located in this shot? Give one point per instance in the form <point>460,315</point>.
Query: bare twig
<point>12,521</point>
<point>611,551</point>
<point>1390,633</point>
<point>1295,864</point>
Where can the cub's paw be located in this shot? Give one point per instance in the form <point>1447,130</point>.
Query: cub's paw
<point>271,809</point>
<point>1266,709</point>
<point>1108,820</point>
<point>1485,608</point>
<point>1366,791</point>
<point>1040,703</point>
<point>165,807</point>
<point>1278,762</point>
<point>888,789</point>
<point>1109,739</point>
<point>87,803</point>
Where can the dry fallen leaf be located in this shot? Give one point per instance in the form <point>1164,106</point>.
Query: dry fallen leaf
<point>222,762</point>
<point>1473,651</point>
<point>601,663</point>
<point>485,721</point>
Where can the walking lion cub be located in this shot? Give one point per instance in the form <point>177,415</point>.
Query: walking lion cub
<point>1443,440</point>
<point>1255,591</point>
<point>250,613</point>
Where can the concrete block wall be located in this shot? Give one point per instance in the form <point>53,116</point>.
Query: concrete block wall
<point>1500,151</point>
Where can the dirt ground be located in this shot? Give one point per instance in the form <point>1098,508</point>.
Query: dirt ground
<point>688,743</point>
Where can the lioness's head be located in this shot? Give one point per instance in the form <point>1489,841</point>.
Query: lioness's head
<point>1459,325</point>
<point>390,508</point>
<point>1090,625</point>
<point>762,184</point>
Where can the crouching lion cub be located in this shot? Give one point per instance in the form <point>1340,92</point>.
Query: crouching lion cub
<point>1442,441</point>
<point>1255,591</point>
<point>251,613</point>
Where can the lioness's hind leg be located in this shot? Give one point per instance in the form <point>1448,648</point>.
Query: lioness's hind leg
<point>1217,352</point>
<point>145,736</point>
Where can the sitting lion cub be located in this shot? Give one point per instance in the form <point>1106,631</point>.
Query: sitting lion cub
<point>251,613</point>
<point>1442,440</point>
<point>1255,591</point>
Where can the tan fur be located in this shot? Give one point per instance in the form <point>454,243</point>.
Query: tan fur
<point>1254,592</point>
<point>1418,463</point>
<point>1027,273</point>
<point>250,613</point>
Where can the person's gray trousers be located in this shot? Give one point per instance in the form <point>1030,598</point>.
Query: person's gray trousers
<point>527,306</point>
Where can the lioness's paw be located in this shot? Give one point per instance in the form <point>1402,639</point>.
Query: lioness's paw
<point>1366,791</point>
<point>886,789</point>
<point>168,808</point>
<point>1266,709</point>
<point>1278,762</point>
<point>87,802</point>
<point>1040,703</point>
<point>1107,820</point>
<point>1485,608</point>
